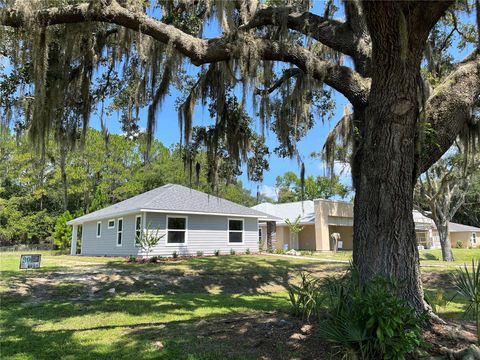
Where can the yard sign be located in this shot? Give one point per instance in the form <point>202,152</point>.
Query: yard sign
<point>30,261</point>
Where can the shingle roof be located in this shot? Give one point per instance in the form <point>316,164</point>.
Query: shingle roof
<point>173,198</point>
<point>454,227</point>
<point>290,211</point>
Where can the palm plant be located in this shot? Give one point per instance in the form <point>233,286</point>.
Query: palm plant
<point>467,283</point>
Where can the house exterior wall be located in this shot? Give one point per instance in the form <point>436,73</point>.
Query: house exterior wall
<point>323,210</point>
<point>346,235</point>
<point>106,243</point>
<point>306,238</point>
<point>283,237</point>
<point>465,237</point>
<point>205,233</point>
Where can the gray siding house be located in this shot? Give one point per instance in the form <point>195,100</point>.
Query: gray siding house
<point>190,220</point>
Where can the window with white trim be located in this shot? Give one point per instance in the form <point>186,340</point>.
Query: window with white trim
<point>176,230</point>
<point>99,229</point>
<point>111,223</point>
<point>235,231</point>
<point>474,238</point>
<point>138,229</point>
<point>119,231</point>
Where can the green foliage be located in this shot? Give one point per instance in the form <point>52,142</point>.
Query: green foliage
<point>247,251</point>
<point>232,252</point>
<point>459,244</point>
<point>467,283</point>
<point>148,239</point>
<point>369,320</point>
<point>469,212</point>
<point>98,175</point>
<point>216,252</point>
<point>294,226</point>
<point>175,255</point>
<point>62,234</point>
<point>436,300</point>
<point>306,298</point>
<point>289,187</point>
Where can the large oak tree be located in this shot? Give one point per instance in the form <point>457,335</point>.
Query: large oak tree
<point>286,53</point>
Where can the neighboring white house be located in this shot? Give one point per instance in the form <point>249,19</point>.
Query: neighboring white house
<point>321,218</point>
<point>190,220</point>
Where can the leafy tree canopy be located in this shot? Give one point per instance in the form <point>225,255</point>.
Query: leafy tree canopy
<point>289,187</point>
<point>31,190</point>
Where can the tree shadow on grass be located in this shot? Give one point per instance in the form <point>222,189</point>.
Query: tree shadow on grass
<point>51,316</point>
<point>230,336</point>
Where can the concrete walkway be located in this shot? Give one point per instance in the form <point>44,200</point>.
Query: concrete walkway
<point>348,261</point>
<point>308,258</point>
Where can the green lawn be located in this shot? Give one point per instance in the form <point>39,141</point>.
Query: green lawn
<point>228,307</point>
<point>200,308</point>
<point>427,257</point>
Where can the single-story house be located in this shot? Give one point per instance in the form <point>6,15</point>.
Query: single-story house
<point>321,218</point>
<point>190,221</point>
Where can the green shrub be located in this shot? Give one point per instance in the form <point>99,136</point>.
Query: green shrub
<point>62,234</point>
<point>232,252</point>
<point>154,259</point>
<point>306,298</point>
<point>459,244</point>
<point>366,322</point>
<point>370,321</point>
<point>436,299</point>
<point>199,253</point>
<point>247,251</point>
<point>132,259</point>
<point>279,251</point>
<point>216,252</point>
<point>467,283</point>
<point>174,255</point>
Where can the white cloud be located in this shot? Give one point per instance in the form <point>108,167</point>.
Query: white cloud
<point>269,191</point>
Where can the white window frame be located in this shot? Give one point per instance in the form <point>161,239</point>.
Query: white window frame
<point>135,229</point>
<point>242,231</point>
<point>99,235</point>
<point>108,224</point>
<point>119,231</point>
<point>167,229</point>
<point>474,237</point>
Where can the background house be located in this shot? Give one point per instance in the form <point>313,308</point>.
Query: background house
<point>190,220</point>
<point>320,218</point>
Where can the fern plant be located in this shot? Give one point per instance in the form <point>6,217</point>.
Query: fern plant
<point>467,283</point>
<point>305,298</point>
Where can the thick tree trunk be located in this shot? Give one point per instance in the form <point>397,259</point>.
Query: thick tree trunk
<point>447,254</point>
<point>384,232</point>
<point>270,230</point>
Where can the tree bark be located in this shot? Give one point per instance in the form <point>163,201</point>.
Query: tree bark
<point>442,229</point>
<point>270,230</point>
<point>384,234</point>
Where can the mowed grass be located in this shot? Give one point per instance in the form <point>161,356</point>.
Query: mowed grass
<point>183,309</point>
<point>65,309</point>
<point>427,257</point>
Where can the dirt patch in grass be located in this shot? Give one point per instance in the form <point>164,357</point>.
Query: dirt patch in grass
<point>263,336</point>
<point>439,280</point>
